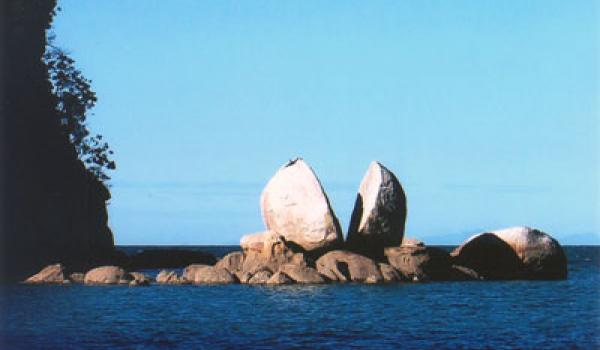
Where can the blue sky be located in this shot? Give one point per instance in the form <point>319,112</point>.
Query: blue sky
<point>487,111</point>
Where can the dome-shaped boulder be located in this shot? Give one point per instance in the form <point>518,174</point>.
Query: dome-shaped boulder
<point>513,253</point>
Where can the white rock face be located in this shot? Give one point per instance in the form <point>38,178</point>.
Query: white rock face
<point>379,213</point>
<point>295,206</point>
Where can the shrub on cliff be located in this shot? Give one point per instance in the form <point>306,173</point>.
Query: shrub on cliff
<point>74,100</point>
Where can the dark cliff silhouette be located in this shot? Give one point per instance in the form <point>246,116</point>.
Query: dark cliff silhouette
<point>52,208</point>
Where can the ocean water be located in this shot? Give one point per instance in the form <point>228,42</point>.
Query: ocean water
<point>442,315</point>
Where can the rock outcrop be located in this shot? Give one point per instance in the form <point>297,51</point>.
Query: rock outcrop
<point>107,275</point>
<point>205,274</point>
<point>513,253</point>
<point>53,208</point>
<point>265,251</point>
<point>344,266</point>
<point>295,206</point>
<point>379,213</point>
<point>49,274</point>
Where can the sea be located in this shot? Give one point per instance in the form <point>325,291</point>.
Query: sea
<point>436,315</point>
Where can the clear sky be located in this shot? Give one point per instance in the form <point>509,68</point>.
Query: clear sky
<point>487,111</point>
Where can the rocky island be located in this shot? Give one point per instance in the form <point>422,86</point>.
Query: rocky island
<point>303,243</point>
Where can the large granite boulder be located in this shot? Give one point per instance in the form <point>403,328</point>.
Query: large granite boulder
<point>344,266</point>
<point>295,205</point>
<point>107,275</point>
<point>379,213</point>
<point>54,274</point>
<point>513,253</point>
<point>205,274</point>
<point>419,263</point>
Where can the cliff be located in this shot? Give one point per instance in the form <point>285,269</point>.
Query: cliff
<point>52,209</point>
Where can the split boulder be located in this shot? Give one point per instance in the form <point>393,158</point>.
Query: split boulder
<point>295,205</point>
<point>379,213</point>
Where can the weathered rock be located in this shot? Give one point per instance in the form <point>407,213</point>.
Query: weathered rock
<point>77,277</point>
<point>107,275</point>
<point>279,278</point>
<point>295,205</point>
<point>50,274</point>
<point>255,241</point>
<point>302,274</point>
<point>253,263</point>
<point>231,262</point>
<point>419,263</point>
<point>261,277</point>
<point>343,266</point>
<point>268,251</point>
<point>205,274</point>
<point>379,213</point>
<point>389,273</point>
<point>169,277</point>
<point>513,253</point>
<point>268,244</point>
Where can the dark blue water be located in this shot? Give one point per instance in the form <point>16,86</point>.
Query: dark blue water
<point>495,315</point>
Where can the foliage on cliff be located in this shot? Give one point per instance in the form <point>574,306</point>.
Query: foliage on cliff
<point>74,100</point>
